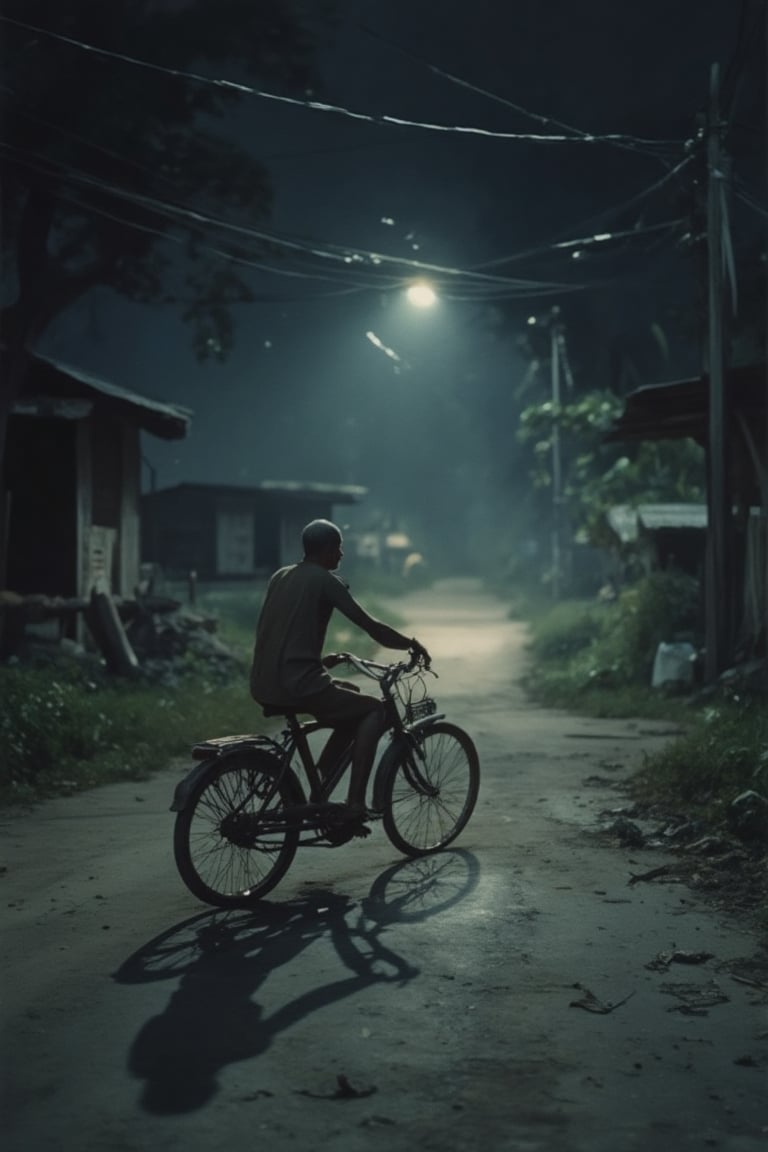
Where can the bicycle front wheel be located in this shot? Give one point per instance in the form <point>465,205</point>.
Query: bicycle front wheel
<point>431,791</point>
<point>230,847</point>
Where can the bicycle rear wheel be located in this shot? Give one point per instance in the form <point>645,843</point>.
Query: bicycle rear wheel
<point>228,850</point>
<point>431,791</point>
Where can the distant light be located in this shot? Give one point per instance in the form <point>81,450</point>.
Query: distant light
<point>603,236</point>
<point>421,294</point>
<point>387,220</point>
<point>577,255</point>
<point>267,343</point>
<point>531,319</point>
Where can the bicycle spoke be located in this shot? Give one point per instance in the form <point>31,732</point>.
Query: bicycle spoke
<point>218,848</point>
<point>432,796</point>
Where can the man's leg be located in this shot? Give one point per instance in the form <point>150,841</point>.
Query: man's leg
<point>369,732</point>
<point>348,712</point>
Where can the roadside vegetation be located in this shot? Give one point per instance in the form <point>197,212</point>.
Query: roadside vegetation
<point>597,658</point>
<point>66,725</point>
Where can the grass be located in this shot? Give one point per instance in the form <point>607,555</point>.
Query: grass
<point>65,727</point>
<point>596,659</point>
<point>724,753</point>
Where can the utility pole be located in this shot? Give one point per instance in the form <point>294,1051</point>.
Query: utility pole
<point>718,601</point>
<point>557,479</point>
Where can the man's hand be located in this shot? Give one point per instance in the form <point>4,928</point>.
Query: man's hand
<point>332,659</point>
<point>419,654</point>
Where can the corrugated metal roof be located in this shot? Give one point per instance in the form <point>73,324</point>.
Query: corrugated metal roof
<point>336,493</point>
<point>626,520</point>
<point>655,516</point>
<point>51,376</point>
<point>680,408</point>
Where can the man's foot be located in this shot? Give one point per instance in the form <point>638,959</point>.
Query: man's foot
<point>359,813</point>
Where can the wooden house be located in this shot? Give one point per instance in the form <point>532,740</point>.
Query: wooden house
<point>661,536</point>
<point>738,611</point>
<point>226,532</point>
<point>72,481</point>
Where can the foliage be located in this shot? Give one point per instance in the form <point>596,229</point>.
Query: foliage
<point>723,754</point>
<point>661,606</point>
<point>598,474</point>
<point>581,655</point>
<point>564,629</point>
<point>101,154</point>
<point>593,650</point>
<point>64,728</point>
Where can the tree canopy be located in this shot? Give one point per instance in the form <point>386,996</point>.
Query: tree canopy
<point>103,157</point>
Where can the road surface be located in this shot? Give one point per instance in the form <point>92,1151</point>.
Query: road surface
<point>497,996</point>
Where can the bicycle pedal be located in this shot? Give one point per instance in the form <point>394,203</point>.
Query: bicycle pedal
<point>361,831</point>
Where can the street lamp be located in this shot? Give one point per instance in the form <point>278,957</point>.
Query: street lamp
<point>421,294</point>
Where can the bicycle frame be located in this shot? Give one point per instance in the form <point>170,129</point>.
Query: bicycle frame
<point>242,813</point>
<point>293,740</point>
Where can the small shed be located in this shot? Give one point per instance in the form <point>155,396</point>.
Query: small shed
<point>662,535</point>
<point>737,612</point>
<point>72,481</point>
<point>227,532</point>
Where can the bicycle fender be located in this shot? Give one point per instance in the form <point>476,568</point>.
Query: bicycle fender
<point>391,758</point>
<point>185,787</point>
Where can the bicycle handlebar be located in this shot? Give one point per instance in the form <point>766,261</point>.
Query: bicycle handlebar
<point>387,673</point>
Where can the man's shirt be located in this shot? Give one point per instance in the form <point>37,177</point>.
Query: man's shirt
<point>287,657</point>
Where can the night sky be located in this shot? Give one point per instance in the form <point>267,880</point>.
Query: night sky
<point>305,395</point>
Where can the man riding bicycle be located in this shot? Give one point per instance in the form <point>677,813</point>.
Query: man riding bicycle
<point>289,671</point>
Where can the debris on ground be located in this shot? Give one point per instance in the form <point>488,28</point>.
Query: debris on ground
<point>627,833</point>
<point>747,816</point>
<point>663,960</point>
<point>590,1003</point>
<point>344,1091</point>
<point>695,999</point>
<point>653,874</point>
<point>154,638</point>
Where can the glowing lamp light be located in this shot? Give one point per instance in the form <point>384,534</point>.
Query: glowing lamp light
<point>421,294</point>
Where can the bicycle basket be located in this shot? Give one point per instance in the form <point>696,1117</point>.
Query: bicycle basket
<point>415,704</point>
<point>417,710</point>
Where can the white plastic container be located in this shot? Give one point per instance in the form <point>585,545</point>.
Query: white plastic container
<point>673,663</point>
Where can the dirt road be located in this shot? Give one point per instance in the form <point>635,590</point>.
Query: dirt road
<point>498,996</point>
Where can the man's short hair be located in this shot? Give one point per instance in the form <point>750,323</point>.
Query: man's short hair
<point>319,535</point>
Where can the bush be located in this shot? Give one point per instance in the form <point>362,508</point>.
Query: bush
<point>599,657</point>
<point>662,606</point>
<point>566,629</point>
<point>63,732</point>
<point>725,754</point>
<point>66,727</point>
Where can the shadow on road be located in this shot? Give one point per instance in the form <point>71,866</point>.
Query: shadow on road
<point>212,1020</point>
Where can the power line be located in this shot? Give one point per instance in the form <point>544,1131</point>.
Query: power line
<point>348,256</point>
<point>318,106</point>
<point>619,139</point>
<point>752,203</point>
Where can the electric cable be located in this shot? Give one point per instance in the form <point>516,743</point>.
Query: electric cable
<point>573,136</point>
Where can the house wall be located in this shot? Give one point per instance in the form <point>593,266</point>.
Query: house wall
<point>129,554</point>
<point>41,480</point>
<point>224,535</point>
<point>178,532</point>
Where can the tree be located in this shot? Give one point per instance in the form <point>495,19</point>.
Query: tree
<point>101,153</point>
<point>83,133</point>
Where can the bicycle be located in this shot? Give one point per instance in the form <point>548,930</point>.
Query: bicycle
<point>243,811</point>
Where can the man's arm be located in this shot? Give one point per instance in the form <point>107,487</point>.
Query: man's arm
<point>379,631</point>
